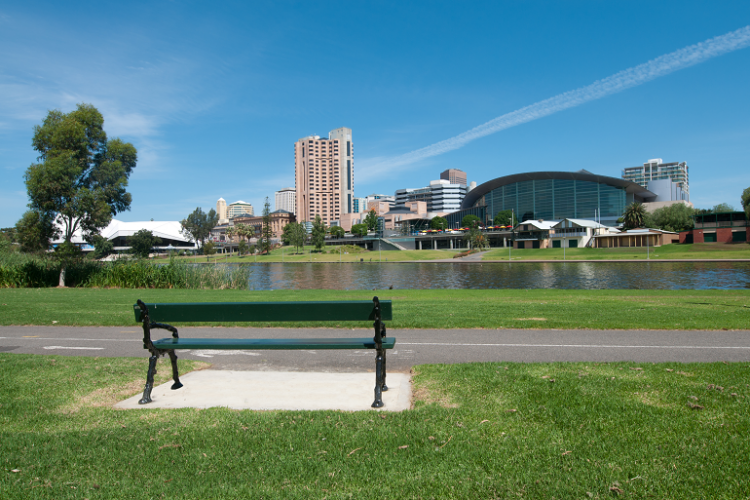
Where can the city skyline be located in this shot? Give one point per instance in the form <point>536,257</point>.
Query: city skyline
<point>214,99</point>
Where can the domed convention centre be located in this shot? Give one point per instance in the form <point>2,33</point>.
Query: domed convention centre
<point>555,196</point>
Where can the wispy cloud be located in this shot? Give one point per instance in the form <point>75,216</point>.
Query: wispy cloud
<point>631,77</point>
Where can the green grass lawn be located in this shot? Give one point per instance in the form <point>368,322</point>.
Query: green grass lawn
<point>537,308</point>
<point>490,430</point>
<point>697,251</point>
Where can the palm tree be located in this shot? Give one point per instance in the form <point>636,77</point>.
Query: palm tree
<point>634,216</point>
<point>230,234</point>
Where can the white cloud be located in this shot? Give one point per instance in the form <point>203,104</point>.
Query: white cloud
<point>631,77</point>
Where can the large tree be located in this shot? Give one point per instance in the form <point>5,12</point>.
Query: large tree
<point>634,216</point>
<point>318,233</point>
<point>746,202</point>
<point>677,217</point>
<point>439,223</point>
<point>505,218</point>
<point>470,220</point>
<point>142,242</point>
<point>371,221</point>
<point>266,231</point>
<point>198,225</point>
<point>294,235</point>
<point>359,229</point>
<point>82,176</point>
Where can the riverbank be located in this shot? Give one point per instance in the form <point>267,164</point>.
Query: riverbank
<point>666,253</point>
<point>496,308</point>
<point>477,430</point>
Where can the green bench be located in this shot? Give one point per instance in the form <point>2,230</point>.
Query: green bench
<point>156,316</point>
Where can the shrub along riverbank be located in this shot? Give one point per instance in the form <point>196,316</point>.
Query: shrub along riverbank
<point>479,430</point>
<point>536,308</point>
<point>122,274</point>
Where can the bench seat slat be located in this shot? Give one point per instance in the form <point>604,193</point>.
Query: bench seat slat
<point>198,312</point>
<point>258,344</point>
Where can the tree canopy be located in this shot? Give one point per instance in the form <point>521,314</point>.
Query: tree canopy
<point>439,223</point>
<point>82,176</point>
<point>318,233</point>
<point>198,225</point>
<point>746,201</point>
<point>359,229</point>
<point>505,218</point>
<point>266,232</point>
<point>336,231</point>
<point>469,220</point>
<point>676,218</point>
<point>294,235</point>
<point>142,242</point>
<point>722,207</point>
<point>634,216</point>
<point>371,221</point>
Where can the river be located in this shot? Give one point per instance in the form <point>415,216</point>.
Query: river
<point>517,275</point>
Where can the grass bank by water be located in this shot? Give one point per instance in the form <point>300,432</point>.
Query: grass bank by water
<point>491,430</point>
<point>697,251</point>
<point>567,309</point>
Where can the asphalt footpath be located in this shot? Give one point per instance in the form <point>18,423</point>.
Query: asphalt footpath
<point>345,380</point>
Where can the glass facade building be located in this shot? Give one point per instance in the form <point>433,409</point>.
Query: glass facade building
<point>557,196</point>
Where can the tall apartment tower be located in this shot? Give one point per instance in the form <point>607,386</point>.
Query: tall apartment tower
<point>656,170</point>
<point>221,209</point>
<point>454,176</point>
<point>286,199</point>
<point>324,176</point>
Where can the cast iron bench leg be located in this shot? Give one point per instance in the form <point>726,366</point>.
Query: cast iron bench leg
<point>149,380</point>
<point>175,375</point>
<point>384,387</point>
<point>379,379</point>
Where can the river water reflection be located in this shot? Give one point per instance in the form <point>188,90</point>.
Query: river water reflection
<point>568,275</point>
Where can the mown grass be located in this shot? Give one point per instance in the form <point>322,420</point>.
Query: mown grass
<point>490,430</point>
<point>696,251</point>
<point>536,308</point>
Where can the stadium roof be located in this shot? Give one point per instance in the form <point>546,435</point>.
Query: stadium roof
<point>582,175</point>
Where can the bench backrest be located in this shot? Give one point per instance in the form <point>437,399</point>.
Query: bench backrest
<point>230,312</point>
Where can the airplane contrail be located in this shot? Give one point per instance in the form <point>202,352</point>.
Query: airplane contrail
<point>631,77</point>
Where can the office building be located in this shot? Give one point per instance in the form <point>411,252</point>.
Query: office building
<point>239,208</point>
<point>655,170</point>
<point>324,176</point>
<point>441,196</point>
<point>454,176</point>
<point>221,210</point>
<point>358,205</point>
<point>286,199</point>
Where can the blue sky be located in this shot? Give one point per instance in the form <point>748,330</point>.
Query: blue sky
<point>214,96</point>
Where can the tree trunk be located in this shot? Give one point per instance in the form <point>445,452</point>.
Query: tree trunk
<point>61,283</point>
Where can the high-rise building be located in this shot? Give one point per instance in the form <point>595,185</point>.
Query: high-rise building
<point>221,209</point>
<point>324,176</point>
<point>239,208</point>
<point>358,205</point>
<point>655,170</point>
<point>286,199</point>
<point>441,196</point>
<point>454,176</point>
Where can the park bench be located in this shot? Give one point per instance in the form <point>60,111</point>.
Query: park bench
<point>156,316</point>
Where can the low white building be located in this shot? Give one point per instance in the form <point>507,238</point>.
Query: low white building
<point>577,233</point>
<point>170,233</point>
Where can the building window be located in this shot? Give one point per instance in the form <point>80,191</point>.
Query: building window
<point>348,148</point>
